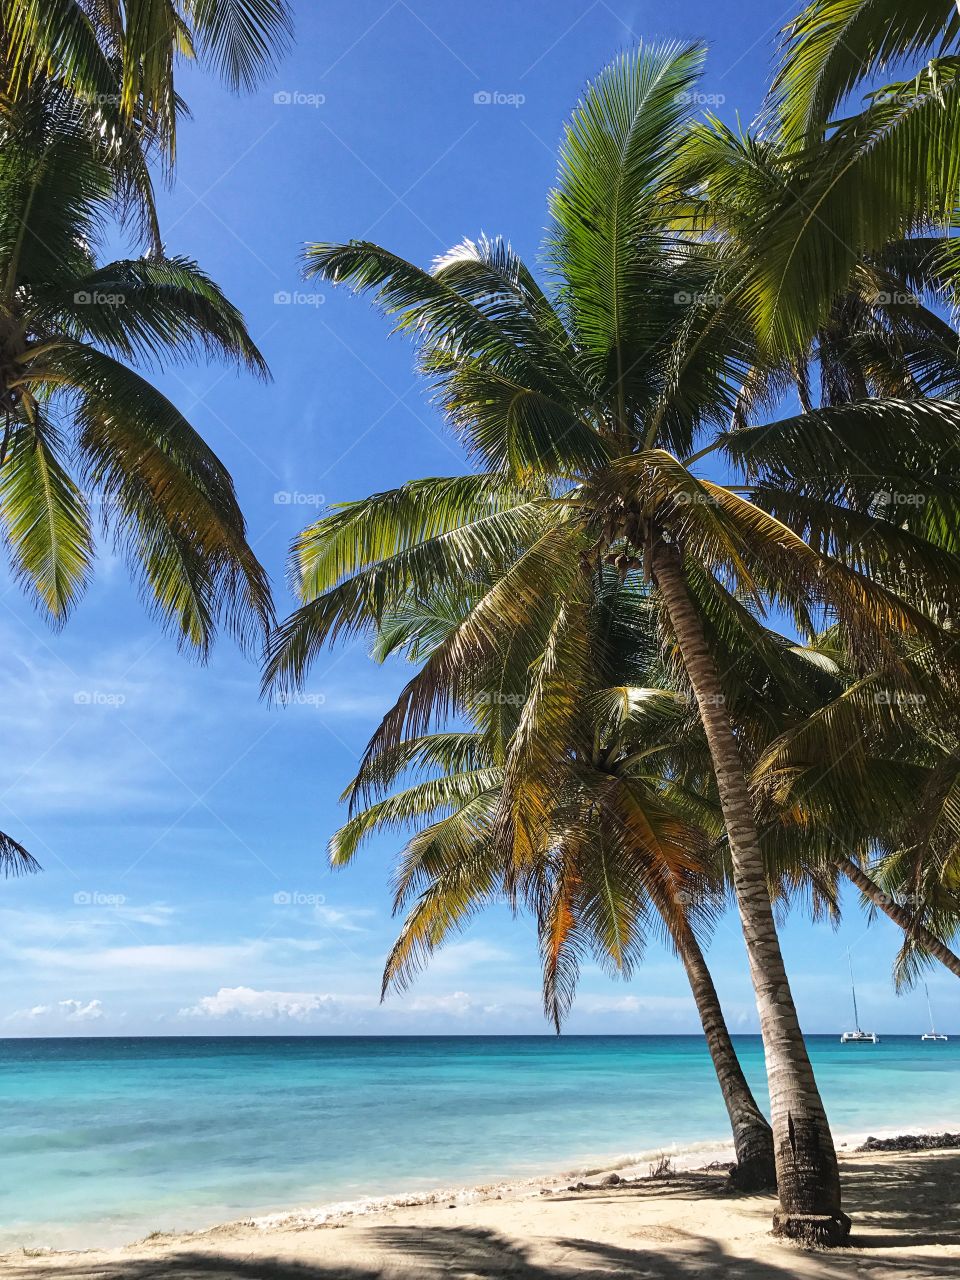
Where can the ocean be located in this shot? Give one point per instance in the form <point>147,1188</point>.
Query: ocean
<point>106,1140</point>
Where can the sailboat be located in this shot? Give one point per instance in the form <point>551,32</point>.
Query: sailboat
<point>858,1036</point>
<point>933,1033</point>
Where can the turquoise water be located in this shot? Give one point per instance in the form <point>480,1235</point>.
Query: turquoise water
<point>105,1140</point>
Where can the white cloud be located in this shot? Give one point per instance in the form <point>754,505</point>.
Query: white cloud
<point>182,957</point>
<point>245,1002</point>
<point>62,1011</point>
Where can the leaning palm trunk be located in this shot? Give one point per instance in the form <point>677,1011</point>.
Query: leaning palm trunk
<point>752,1136</point>
<point>900,916</point>
<point>808,1177</point>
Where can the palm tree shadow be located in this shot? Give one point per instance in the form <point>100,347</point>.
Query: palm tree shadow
<point>474,1253</point>
<point>905,1203</point>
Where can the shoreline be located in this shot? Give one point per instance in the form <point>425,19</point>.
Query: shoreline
<point>684,1226</point>
<point>702,1157</point>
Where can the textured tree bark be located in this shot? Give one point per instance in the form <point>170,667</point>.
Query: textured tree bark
<point>808,1177</point>
<point>900,915</point>
<point>752,1135</point>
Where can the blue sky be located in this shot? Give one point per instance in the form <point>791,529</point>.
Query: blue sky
<point>181,823</point>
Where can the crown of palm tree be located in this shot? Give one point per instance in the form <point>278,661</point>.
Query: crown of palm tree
<point>69,327</point>
<point>125,53</point>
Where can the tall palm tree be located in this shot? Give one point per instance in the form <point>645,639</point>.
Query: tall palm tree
<point>127,51</point>
<point>69,328</point>
<point>620,856</point>
<point>599,388</point>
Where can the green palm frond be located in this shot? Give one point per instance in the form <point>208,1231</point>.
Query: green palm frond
<point>149,309</point>
<point>15,860</point>
<point>83,46</point>
<point>44,518</point>
<point>834,45</point>
<point>422,802</point>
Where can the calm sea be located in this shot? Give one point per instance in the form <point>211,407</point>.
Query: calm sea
<point>106,1140</point>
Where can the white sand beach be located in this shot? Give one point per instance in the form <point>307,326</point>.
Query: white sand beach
<point>687,1224</point>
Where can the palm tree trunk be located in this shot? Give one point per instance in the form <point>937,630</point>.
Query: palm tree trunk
<point>808,1177</point>
<point>900,915</point>
<point>752,1135</point>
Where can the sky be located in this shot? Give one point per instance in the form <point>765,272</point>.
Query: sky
<point>182,823</point>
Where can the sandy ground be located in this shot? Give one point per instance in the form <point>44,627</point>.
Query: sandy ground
<point>904,1208</point>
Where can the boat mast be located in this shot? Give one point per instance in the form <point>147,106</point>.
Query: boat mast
<point>853,992</point>
<point>933,1029</point>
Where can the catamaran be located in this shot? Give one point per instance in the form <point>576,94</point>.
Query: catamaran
<point>933,1033</point>
<point>858,1036</point>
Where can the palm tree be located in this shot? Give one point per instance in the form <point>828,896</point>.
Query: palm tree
<point>127,53</point>
<point>833,46</point>
<point>619,858</point>
<point>69,326</point>
<point>847,188</point>
<point>597,389</point>
<point>867,784</point>
<point>866,313</point>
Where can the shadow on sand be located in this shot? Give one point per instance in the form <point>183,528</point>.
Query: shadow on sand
<point>898,1207</point>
